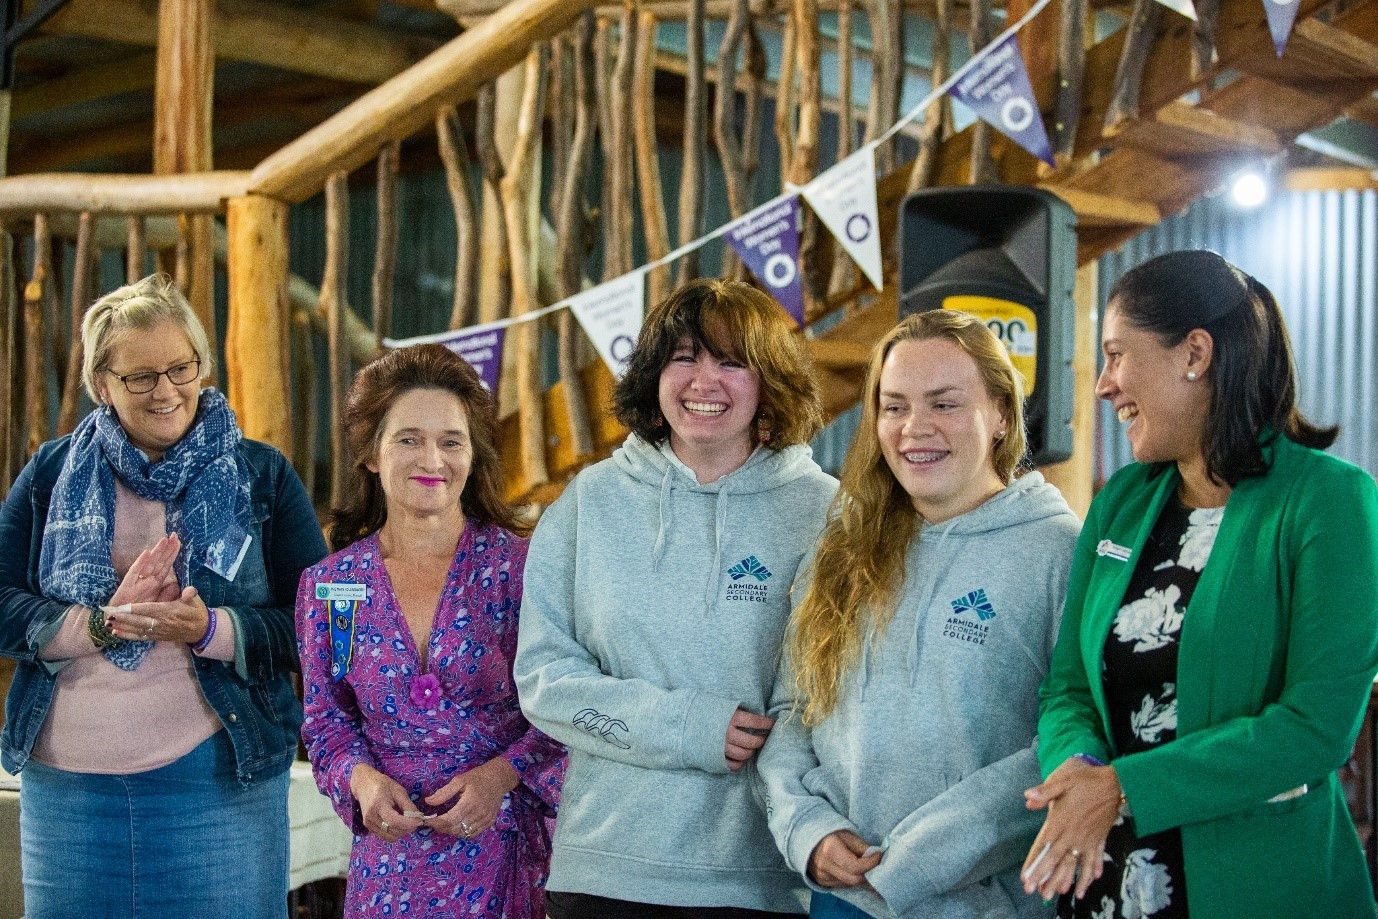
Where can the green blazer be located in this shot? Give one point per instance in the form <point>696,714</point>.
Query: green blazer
<point>1279,647</point>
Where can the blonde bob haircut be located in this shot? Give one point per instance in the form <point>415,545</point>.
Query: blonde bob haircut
<point>728,319</point>
<point>859,566</point>
<point>137,307</point>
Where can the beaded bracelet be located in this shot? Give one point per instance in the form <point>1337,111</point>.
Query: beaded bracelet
<point>210,631</point>
<point>101,636</point>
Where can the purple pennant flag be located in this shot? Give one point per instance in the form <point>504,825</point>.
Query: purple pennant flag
<point>767,239</point>
<point>997,89</point>
<point>482,348</point>
<point>1281,15</point>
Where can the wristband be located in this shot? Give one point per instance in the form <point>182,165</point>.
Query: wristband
<point>1087,758</point>
<point>101,636</point>
<point>210,631</point>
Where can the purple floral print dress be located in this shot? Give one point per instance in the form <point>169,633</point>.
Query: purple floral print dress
<point>421,729</point>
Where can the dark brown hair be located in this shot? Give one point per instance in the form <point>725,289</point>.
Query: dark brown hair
<point>728,319</point>
<point>376,387</point>
<point>1252,377</point>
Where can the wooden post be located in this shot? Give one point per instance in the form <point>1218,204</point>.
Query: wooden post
<point>493,136</point>
<point>983,169</point>
<point>654,224</point>
<point>385,251</point>
<point>618,168</point>
<point>37,424</point>
<point>1074,477</point>
<point>258,335</point>
<point>518,186</point>
<point>82,282</point>
<point>844,270</point>
<point>136,249</point>
<point>804,163</point>
<point>182,131</point>
<point>725,115</point>
<point>9,333</point>
<point>455,157</point>
<point>695,137</point>
<point>1071,67</point>
<point>572,224</point>
<point>306,411</point>
<point>938,116</point>
<point>333,288</point>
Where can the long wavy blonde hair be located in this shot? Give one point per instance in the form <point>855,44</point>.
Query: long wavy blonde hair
<point>859,567</point>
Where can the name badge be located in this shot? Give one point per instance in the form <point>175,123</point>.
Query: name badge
<point>332,591</point>
<point>1107,548</point>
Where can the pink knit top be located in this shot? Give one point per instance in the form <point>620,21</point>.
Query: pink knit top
<point>116,722</point>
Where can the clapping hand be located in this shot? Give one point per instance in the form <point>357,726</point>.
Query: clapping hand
<point>151,578</point>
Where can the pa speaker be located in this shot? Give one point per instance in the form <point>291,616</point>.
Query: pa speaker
<point>1006,254</point>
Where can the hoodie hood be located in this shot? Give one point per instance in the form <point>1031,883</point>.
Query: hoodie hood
<point>658,466</point>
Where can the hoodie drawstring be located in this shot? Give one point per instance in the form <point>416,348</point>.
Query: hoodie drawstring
<point>667,516</point>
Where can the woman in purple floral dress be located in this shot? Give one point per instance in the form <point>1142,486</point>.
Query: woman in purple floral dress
<point>407,635</point>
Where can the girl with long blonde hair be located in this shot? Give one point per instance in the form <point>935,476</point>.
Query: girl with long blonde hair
<point>908,697</point>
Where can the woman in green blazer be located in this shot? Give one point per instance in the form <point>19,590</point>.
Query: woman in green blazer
<point>1220,636</point>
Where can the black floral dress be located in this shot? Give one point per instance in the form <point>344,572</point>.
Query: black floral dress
<point>1144,875</point>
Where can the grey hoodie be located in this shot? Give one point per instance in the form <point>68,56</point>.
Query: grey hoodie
<point>653,608</point>
<point>932,742</point>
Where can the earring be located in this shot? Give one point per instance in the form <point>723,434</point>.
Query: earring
<point>999,436</point>
<point>1191,376</point>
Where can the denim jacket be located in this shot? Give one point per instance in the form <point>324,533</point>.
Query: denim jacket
<point>252,695</point>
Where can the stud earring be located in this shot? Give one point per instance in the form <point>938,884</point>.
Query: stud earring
<point>1191,376</point>
<point>1000,436</point>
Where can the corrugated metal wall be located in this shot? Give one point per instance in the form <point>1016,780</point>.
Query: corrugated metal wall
<point>1318,253</point>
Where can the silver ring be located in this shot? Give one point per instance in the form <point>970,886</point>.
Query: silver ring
<point>385,825</point>
<point>464,827</point>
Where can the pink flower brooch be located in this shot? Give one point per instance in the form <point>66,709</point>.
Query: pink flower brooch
<point>425,690</point>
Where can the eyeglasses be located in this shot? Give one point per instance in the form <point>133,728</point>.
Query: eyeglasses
<point>147,381</point>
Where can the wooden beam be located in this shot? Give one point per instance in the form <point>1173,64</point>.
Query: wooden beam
<point>290,38</point>
<point>121,194</point>
<point>1179,129</point>
<point>835,354</point>
<point>1331,179</point>
<point>1317,53</point>
<point>86,84</point>
<point>1094,209</point>
<point>407,102</point>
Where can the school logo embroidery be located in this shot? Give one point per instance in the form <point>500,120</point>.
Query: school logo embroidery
<point>749,578</point>
<point>960,626</point>
<point>974,602</point>
<point>602,726</point>
<point>749,566</point>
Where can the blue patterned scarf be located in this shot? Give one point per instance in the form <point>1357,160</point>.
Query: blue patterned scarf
<point>199,479</point>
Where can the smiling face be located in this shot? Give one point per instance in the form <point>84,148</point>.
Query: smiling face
<point>155,420</point>
<point>1147,384</point>
<point>937,427</point>
<point>709,404</point>
<point>424,454</point>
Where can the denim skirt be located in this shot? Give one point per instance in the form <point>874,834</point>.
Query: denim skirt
<point>182,840</point>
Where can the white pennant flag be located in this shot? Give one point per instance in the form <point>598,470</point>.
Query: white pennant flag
<point>844,198</point>
<point>611,315</point>
<point>1185,7</point>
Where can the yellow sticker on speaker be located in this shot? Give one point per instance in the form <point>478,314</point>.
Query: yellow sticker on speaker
<point>1013,323</point>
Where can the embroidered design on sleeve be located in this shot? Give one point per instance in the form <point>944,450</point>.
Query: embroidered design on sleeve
<point>603,726</point>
